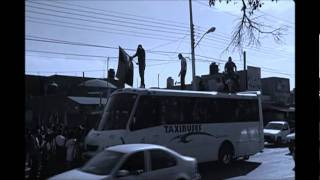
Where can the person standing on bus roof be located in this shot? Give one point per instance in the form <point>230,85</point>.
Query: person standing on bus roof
<point>183,70</point>
<point>230,67</point>
<point>141,62</point>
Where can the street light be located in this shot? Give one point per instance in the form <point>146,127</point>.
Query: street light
<point>209,31</point>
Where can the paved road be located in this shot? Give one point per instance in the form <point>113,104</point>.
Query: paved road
<point>273,163</point>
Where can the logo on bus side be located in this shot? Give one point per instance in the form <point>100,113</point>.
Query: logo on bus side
<point>190,129</point>
<point>182,128</point>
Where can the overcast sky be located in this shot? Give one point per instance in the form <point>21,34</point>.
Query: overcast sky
<point>161,26</point>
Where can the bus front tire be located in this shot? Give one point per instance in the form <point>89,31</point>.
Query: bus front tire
<point>226,154</point>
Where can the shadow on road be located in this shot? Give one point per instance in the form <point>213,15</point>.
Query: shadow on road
<point>214,171</point>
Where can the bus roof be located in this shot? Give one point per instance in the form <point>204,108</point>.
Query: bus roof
<point>249,94</point>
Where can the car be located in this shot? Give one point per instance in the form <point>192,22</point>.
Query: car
<point>291,138</point>
<point>276,132</point>
<point>135,161</point>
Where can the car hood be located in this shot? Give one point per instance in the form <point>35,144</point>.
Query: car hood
<point>76,174</point>
<point>271,131</point>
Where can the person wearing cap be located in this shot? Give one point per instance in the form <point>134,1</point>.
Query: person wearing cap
<point>183,70</point>
<point>141,62</point>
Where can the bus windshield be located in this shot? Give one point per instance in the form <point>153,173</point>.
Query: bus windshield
<point>117,112</point>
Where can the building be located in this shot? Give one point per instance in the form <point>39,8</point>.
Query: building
<point>66,99</point>
<point>277,100</point>
<point>277,88</point>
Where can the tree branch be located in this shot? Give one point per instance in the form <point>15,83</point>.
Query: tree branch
<point>249,29</point>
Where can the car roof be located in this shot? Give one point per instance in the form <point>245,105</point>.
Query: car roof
<point>130,148</point>
<point>278,122</point>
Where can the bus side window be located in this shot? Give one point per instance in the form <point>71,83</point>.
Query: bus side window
<point>214,114</point>
<point>200,111</point>
<point>188,113</point>
<point>172,114</point>
<point>147,113</point>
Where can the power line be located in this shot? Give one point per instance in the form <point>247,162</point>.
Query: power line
<point>253,49</point>
<point>102,22</point>
<point>92,45</point>
<point>51,52</point>
<point>169,26</point>
<point>102,31</point>
<point>258,50</point>
<point>228,13</point>
<point>92,12</point>
<point>281,19</point>
<point>95,70</point>
<point>215,59</point>
<point>135,33</point>
<point>156,20</point>
<point>87,55</point>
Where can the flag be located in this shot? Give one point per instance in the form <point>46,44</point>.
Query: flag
<point>125,68</point>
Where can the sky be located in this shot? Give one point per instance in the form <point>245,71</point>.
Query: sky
<point>75,36</point>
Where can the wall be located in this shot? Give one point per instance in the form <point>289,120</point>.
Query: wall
<point>277,88</point>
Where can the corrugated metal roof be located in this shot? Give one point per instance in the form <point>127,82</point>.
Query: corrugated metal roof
<point>88,100</point>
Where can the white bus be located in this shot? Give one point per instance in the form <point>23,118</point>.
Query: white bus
<point>206,125</point>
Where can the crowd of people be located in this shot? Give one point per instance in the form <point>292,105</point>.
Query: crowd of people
<point>53,149</point>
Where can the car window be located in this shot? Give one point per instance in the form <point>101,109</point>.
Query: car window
<point>161,159</point>
<point>134,163</point>
<point>102,163</point>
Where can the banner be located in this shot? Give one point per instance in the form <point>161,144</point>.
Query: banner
<point>125,68</point>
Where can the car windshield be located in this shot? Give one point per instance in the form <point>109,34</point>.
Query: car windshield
<point>275,126</point>
<point>102,163</point>
<point>117,112</point>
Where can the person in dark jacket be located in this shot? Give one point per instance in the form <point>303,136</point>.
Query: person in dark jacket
<point>141,62</point>
<point>230,67</point>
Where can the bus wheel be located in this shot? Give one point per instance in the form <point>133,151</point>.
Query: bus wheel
<point>225,154</point>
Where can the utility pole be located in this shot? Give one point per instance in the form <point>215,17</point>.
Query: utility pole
<point>245,69</point>
<point>158,80</point>
<point>108,64</point>
<point>107,71</point>
<point>192,44</point>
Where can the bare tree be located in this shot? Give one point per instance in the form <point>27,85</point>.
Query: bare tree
<point>249,29</point>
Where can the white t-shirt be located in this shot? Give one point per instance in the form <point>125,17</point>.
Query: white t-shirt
<point>60,140</point>
<point>70,145</point>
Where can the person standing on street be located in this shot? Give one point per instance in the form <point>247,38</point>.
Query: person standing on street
<point>60,142</point>
<point>34,155</point>
<point>70,145</point>
<point>141,62</point>
<point>183,71</point>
